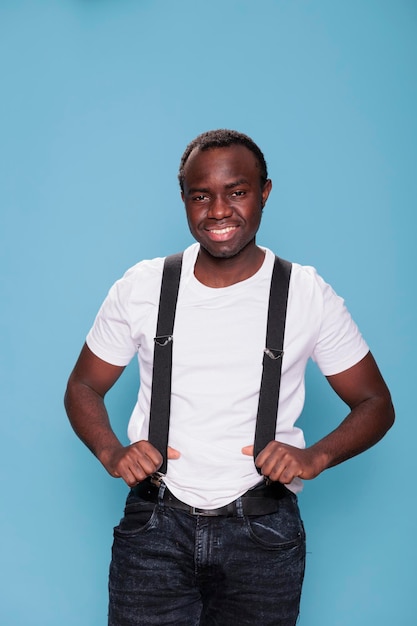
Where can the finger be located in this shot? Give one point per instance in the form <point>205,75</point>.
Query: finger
<point>274,454</point>
<point>284,470</point>
<point>131,478</point>
<point>144,466</point>
<point>139,462</point>
<point>173,454</point>
<point>146,449</point>
<point>248,450</point>
<point>142,458</point>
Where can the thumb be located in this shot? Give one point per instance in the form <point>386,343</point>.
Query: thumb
<point>248,450</point>
<point>173,454</point>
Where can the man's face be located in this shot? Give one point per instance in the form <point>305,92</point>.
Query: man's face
<point>223,198</point>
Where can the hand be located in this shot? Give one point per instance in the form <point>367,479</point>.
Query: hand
<point>135,462</point>
<point>282,462</point>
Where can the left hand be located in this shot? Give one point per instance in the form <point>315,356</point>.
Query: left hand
<point>282,462</point>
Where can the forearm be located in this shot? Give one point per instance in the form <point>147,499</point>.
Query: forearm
<point>365,425</point>
<point>89,418</point>
<point>84,401</point>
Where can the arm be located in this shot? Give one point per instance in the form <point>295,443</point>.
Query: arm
<point>87,386</point>
<point>371,415</point>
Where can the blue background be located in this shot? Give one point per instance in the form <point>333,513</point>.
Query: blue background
<point>98,100</point>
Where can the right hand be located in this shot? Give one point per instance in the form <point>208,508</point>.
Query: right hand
<point>136,462</point>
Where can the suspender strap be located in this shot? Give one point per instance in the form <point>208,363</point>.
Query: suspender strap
<point>162,360</point>
<point>272,360</point>
<point>266,420</point>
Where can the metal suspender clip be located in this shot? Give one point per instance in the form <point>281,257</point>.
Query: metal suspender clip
<point>156,479</point>
<point>163,340</point>
<point>274,354</point>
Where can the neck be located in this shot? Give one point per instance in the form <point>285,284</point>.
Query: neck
<point>223,272</point>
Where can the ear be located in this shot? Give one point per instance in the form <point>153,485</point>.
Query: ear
<point>182,196</point>
<point>266,191</point>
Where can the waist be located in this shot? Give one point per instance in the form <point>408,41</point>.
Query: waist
<point>262,499</point>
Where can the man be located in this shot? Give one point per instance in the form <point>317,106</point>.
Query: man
<point>218,539</point>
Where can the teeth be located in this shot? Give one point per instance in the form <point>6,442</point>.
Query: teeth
<point>222,231</point>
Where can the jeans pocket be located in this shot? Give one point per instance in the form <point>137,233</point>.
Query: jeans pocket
<point>138,517</point>
<point>280,530</point>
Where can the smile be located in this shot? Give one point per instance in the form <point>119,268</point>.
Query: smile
<point>221,234</point>
<point>222,231</point>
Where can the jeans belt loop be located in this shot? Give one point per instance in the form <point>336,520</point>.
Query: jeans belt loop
<point>239,507</point>
<point>193,510</point>
<point>161,492</point>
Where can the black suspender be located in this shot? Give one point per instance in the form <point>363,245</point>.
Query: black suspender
<point>266,421</point>
<point>272,360</point>
<point>162,357</point>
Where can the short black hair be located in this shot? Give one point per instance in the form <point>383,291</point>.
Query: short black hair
<point>223,138</point>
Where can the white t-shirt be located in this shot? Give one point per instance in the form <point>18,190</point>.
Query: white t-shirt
<point>219,339</point>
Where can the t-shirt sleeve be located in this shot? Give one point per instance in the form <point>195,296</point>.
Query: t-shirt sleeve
<point>340,344</point>
<point>110,336</point>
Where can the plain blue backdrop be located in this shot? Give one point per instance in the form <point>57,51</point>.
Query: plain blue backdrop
<point>98,100</point>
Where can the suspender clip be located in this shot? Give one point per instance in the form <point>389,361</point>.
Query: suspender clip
<point>156,479</point>
<point>163,340</point>
<point>274,354</point>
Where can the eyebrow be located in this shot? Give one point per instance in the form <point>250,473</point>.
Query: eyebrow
<point>232,185</point>
<point>198,190</point>
<point>237,183</point>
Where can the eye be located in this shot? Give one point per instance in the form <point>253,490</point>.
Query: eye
<point>238,193</point>
<point>199,198</point>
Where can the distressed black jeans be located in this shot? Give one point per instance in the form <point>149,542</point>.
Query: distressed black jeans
<point>172,568</point>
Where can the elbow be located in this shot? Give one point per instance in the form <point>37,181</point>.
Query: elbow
<point>390,414</point>
<point>67,397</point>
<point>71,393</point>
<point>386,413</point>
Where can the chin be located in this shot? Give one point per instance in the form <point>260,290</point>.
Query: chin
<point>220,253</point>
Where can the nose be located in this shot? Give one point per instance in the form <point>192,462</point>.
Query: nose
<point>219,208</point>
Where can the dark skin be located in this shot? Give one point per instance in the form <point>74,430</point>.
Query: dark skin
<point>224,198</point>
<point>84,401</point>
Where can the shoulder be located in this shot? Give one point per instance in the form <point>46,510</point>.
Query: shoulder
<point>306,272</point>
<point>143,280</point>
<point>148,269</point>
<point>310,296</point>
<point>305,280</point>
<point>309,290</point>
<point>151,269</point>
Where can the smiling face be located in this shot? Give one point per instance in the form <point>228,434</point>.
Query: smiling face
<point>224,198</point>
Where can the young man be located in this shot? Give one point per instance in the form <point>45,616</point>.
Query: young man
<point>218,538</point>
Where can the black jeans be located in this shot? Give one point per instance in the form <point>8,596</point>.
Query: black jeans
<point>172,568</point>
